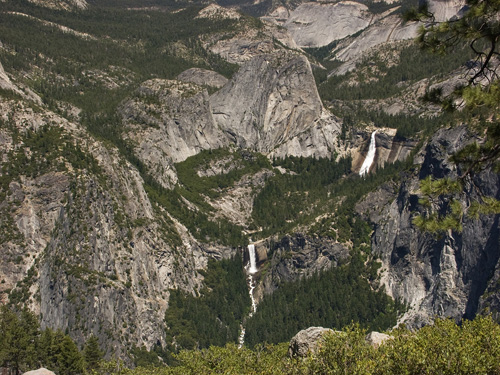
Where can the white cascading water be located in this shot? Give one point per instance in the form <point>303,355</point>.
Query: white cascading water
<point>251,269</point>
<point>253,260</point>
<point>369,157</point>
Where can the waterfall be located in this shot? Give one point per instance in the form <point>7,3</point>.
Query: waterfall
<point>253,259</point>
<point>369,157</point>
<point>251,269</point>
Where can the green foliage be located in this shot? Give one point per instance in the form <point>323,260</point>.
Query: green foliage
<point>332,298</point>
<point>479,28</point>
<point>213,317</point>
<point>290,198</point>
<point>408,125</point>
<point>443,348</point>
<point>435,193</point>
<point>143,357</point>
<point>235,165</point>
<point>476,96</point>
<point>17,345</point>
<point>195,189</point>
<point>148,50</point>
<point>92,353</point>
<point>23,346</point>
<point>345,352</point>
<point>270,360</point>
<point>339,219</point>
<point>198,222</point>
<point>42,151</point>
<point>413,66</point>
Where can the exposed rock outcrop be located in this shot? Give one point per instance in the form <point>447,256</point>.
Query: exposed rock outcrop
<point>7,84</point>
<point>386,30</point>
<point>40,371</point>
<point>272,105</point>
<point>63,5</point>
<point>307,341</point>
<point>203,77</point>
<point>376,339</point>
<point>169,121</point>
<point>214,11</point>
<point>437,276</point>
<point>444,10</point>
<point>84,246</point>
<point>318,24</point>
<point>241,46</point>
<point>299,256</point>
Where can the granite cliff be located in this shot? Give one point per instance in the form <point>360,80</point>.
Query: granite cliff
<point>436,275</point>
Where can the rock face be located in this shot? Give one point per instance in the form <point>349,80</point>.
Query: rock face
<point>437,276</point>
<point>387,30</point>
<point>203,77</point>
<point>84,246</point>
<point>6,84</point>
<point>388,148</point>
<point>299,256</point>
<point>307,341</point>
<point>272,105</point>
<point>376,339</point>
<point>318,24</point>
<point>446,9</point>
<point>169,121</point>
<point>247,42</point>
<point>40,371</point>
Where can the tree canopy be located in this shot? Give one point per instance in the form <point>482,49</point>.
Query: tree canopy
<point>479,27</point>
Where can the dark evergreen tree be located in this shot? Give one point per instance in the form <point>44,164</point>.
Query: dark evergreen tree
<point>92,353</point>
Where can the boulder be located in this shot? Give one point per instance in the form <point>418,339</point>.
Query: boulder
<point>40,371</point>
<point>307,341</point>
<point>375,339</point>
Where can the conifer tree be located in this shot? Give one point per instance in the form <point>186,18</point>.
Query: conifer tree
<point>92,353</point>
<point>479,27</point>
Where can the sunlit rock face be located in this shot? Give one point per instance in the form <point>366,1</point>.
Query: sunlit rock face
<point>318,24</point>
<point>272,105</point>
<point>444,10</point>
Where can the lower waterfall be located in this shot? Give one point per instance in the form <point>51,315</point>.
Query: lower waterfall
<point>369,157</point>
<point>251,269</point>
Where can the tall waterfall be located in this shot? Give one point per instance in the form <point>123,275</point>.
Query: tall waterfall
<point>253,259</point>
<point>251,269</point>
<point>369,157</point>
